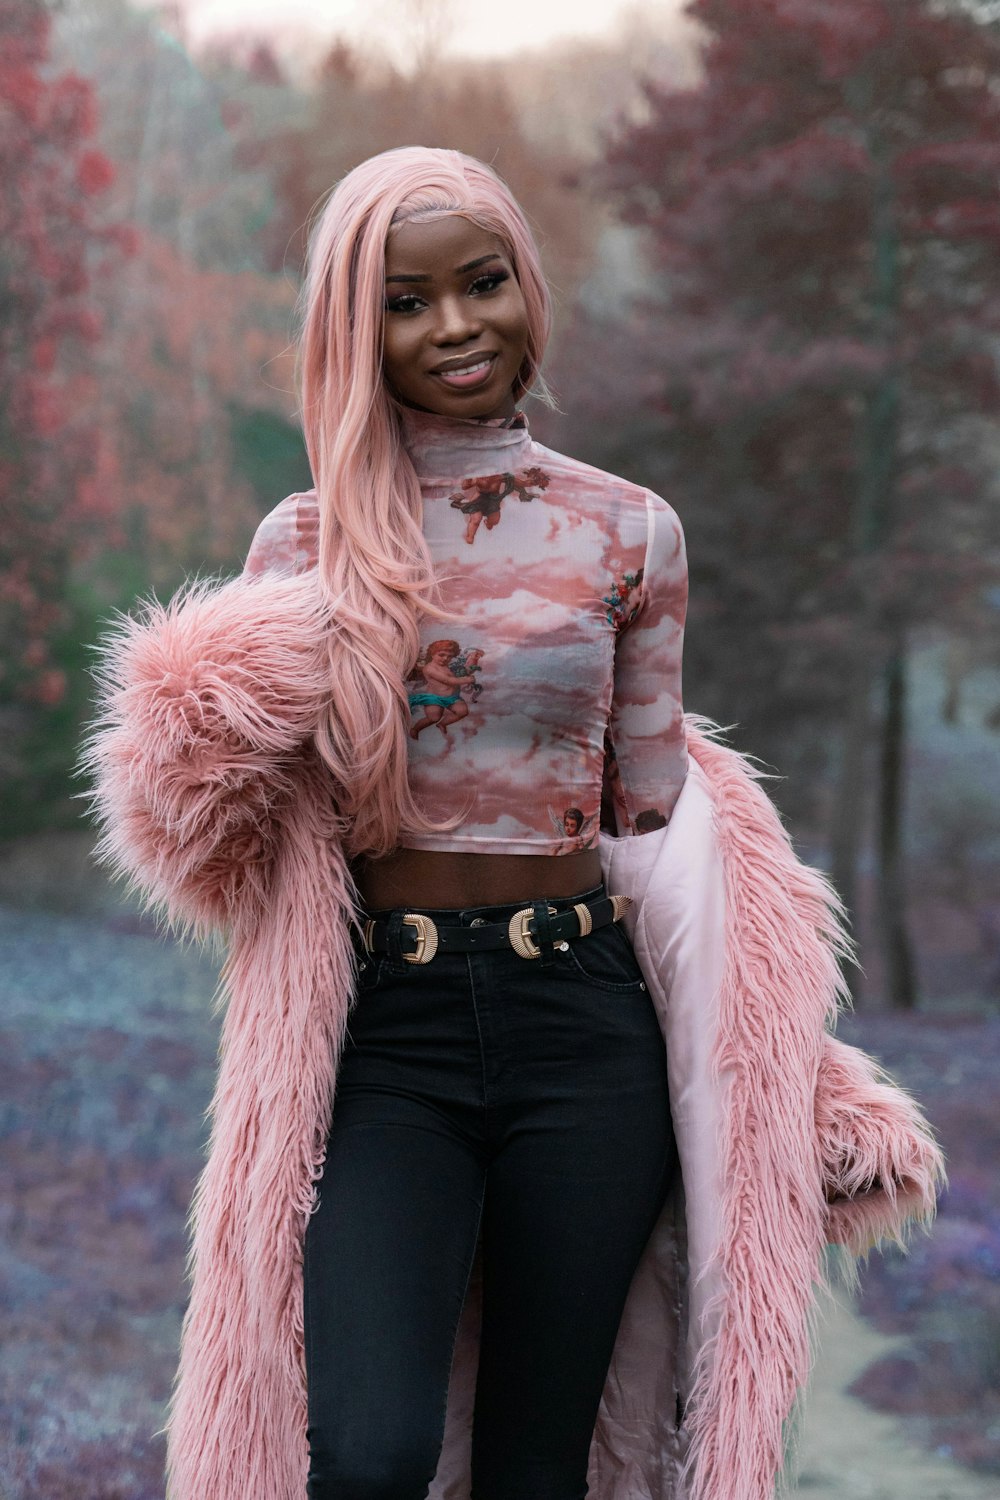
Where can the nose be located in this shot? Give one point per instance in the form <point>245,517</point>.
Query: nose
<point>457,321</point>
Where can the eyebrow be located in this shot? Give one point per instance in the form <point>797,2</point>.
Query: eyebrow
<point>470,265</point>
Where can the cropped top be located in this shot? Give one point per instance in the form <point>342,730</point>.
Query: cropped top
<point>554,707</point>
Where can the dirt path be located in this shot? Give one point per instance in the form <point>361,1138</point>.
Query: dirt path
<point>848,1451</point>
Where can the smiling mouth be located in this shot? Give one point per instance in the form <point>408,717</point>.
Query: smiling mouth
<point>464,377</point>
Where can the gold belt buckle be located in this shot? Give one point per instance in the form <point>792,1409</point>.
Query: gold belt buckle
<point>522,942</point>
<point>427,938</point>
<point>520,938</point>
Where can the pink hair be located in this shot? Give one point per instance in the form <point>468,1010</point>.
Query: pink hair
<point>373,559</point>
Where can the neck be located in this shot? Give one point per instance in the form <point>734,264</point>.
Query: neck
<point>448,447</point>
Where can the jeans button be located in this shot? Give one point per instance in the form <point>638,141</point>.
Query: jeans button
<point>478,922</point>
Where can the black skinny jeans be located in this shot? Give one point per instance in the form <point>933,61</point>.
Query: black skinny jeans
<point>524,1097</point>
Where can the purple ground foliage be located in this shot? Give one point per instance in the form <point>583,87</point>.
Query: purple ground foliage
<point>107,1053</point>
<point>944,1296</point>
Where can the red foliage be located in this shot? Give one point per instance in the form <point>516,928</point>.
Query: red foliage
<point>55,454</point>
<point>824,238</point>
<point>94,173</point>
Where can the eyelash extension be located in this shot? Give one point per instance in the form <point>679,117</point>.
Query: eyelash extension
<point>396,304</point>
<point>495,276</point>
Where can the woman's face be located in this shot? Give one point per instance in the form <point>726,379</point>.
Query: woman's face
<point>456,326</point>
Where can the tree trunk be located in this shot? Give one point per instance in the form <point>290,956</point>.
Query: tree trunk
<point>849,802</point>
<point>873,659</point>
<point>900,977</point>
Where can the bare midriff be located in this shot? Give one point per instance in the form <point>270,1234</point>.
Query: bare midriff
<point>419,878</point>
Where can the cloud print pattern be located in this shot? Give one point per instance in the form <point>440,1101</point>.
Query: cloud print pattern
<point>561,677</point>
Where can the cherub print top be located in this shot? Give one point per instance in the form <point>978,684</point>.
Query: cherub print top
<point>559,692</point>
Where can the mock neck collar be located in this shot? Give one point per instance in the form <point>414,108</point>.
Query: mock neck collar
<point>453,447</point>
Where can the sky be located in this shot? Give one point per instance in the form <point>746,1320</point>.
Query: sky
<point>478,28</point>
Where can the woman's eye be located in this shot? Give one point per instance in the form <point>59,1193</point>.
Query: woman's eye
<point>405,303</point>
<point>490,280</point>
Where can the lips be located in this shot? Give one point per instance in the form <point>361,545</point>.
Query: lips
<point>473,371</point>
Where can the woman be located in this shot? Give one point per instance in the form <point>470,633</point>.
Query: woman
<point>467,1226</point>
<point>481,1091</point>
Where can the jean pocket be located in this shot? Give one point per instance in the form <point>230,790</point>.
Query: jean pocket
<point>607,959</point>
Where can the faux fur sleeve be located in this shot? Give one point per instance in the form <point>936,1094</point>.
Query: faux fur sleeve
<point>203,706</point>
<point>882,1165</point>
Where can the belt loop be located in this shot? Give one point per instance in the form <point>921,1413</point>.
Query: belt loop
<point>394,926</point>
<point>543,932</point>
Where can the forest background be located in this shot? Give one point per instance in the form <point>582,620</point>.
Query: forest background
<point>773,232</point>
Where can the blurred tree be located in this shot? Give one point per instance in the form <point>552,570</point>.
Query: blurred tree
<point>58,469</point>
<point>815,380</point>
<point>359,109</point>
<point>568,96</point>
<point>136,425</point>
<point>182,131</point>
<point>196,365</point>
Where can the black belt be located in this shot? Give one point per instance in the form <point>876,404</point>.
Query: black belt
<point>519,933</point>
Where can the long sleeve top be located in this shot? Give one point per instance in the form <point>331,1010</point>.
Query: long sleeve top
<point>553,705</point>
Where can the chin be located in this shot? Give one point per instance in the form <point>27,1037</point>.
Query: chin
<point>480,404</point>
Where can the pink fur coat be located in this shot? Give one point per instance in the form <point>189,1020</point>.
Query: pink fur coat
<point>213,802</point>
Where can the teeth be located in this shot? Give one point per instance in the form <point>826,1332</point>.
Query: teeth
<point>466,369</point>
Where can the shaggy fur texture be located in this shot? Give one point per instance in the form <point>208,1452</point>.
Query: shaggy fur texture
<point>807,1122</point>
<point>882,1169</point>
<point>213,803</point>
<point>204,706</point>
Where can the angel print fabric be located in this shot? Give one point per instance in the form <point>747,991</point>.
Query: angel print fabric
<point>560,681</point>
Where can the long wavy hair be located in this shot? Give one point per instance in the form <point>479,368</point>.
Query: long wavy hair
<point>374,565</point>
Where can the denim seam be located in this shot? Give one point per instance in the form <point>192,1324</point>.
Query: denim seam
<point>482,1050</point>
<point>461,1305</point>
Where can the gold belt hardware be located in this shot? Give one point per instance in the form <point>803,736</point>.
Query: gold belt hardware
<point>427,938</point>
<point>520,938</point>
<point>523,943</point>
